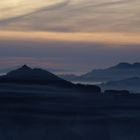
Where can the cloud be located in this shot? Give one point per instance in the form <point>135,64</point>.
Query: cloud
<point>75,16</point>
<point>14,8</point>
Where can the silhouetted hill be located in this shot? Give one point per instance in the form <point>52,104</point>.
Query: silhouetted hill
<point>27,75</point>
<point>117,72</point>
<point>131,84</point>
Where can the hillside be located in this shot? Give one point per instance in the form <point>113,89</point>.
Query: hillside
<point>26,74</point>
<point>117,72</point>
<point>36,77</point>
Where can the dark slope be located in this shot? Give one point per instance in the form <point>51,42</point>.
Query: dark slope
<point>26,74</point>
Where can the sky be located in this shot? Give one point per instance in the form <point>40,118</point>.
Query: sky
<point>71,36</point>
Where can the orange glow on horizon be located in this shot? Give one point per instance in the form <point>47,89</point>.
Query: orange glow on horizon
<point>105,38</point>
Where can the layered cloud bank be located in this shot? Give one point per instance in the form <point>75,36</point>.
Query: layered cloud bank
<point>15,8</point>
<point>71,15</point>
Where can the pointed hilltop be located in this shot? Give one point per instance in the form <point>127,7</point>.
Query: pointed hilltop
<point>26,74</point>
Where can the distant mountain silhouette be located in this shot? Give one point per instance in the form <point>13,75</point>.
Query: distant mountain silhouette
<point>126,66</point>
<point>117,72</point>
<point>27,75</point>
<point>131,84</point>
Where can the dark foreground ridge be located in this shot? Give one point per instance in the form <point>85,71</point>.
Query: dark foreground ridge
<point>61,116</point>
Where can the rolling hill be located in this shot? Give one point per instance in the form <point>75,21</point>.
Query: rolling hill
<point>117,72</point>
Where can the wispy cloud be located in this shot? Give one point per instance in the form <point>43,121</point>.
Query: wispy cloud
<point>15,8</point>
<point>72,15</point>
